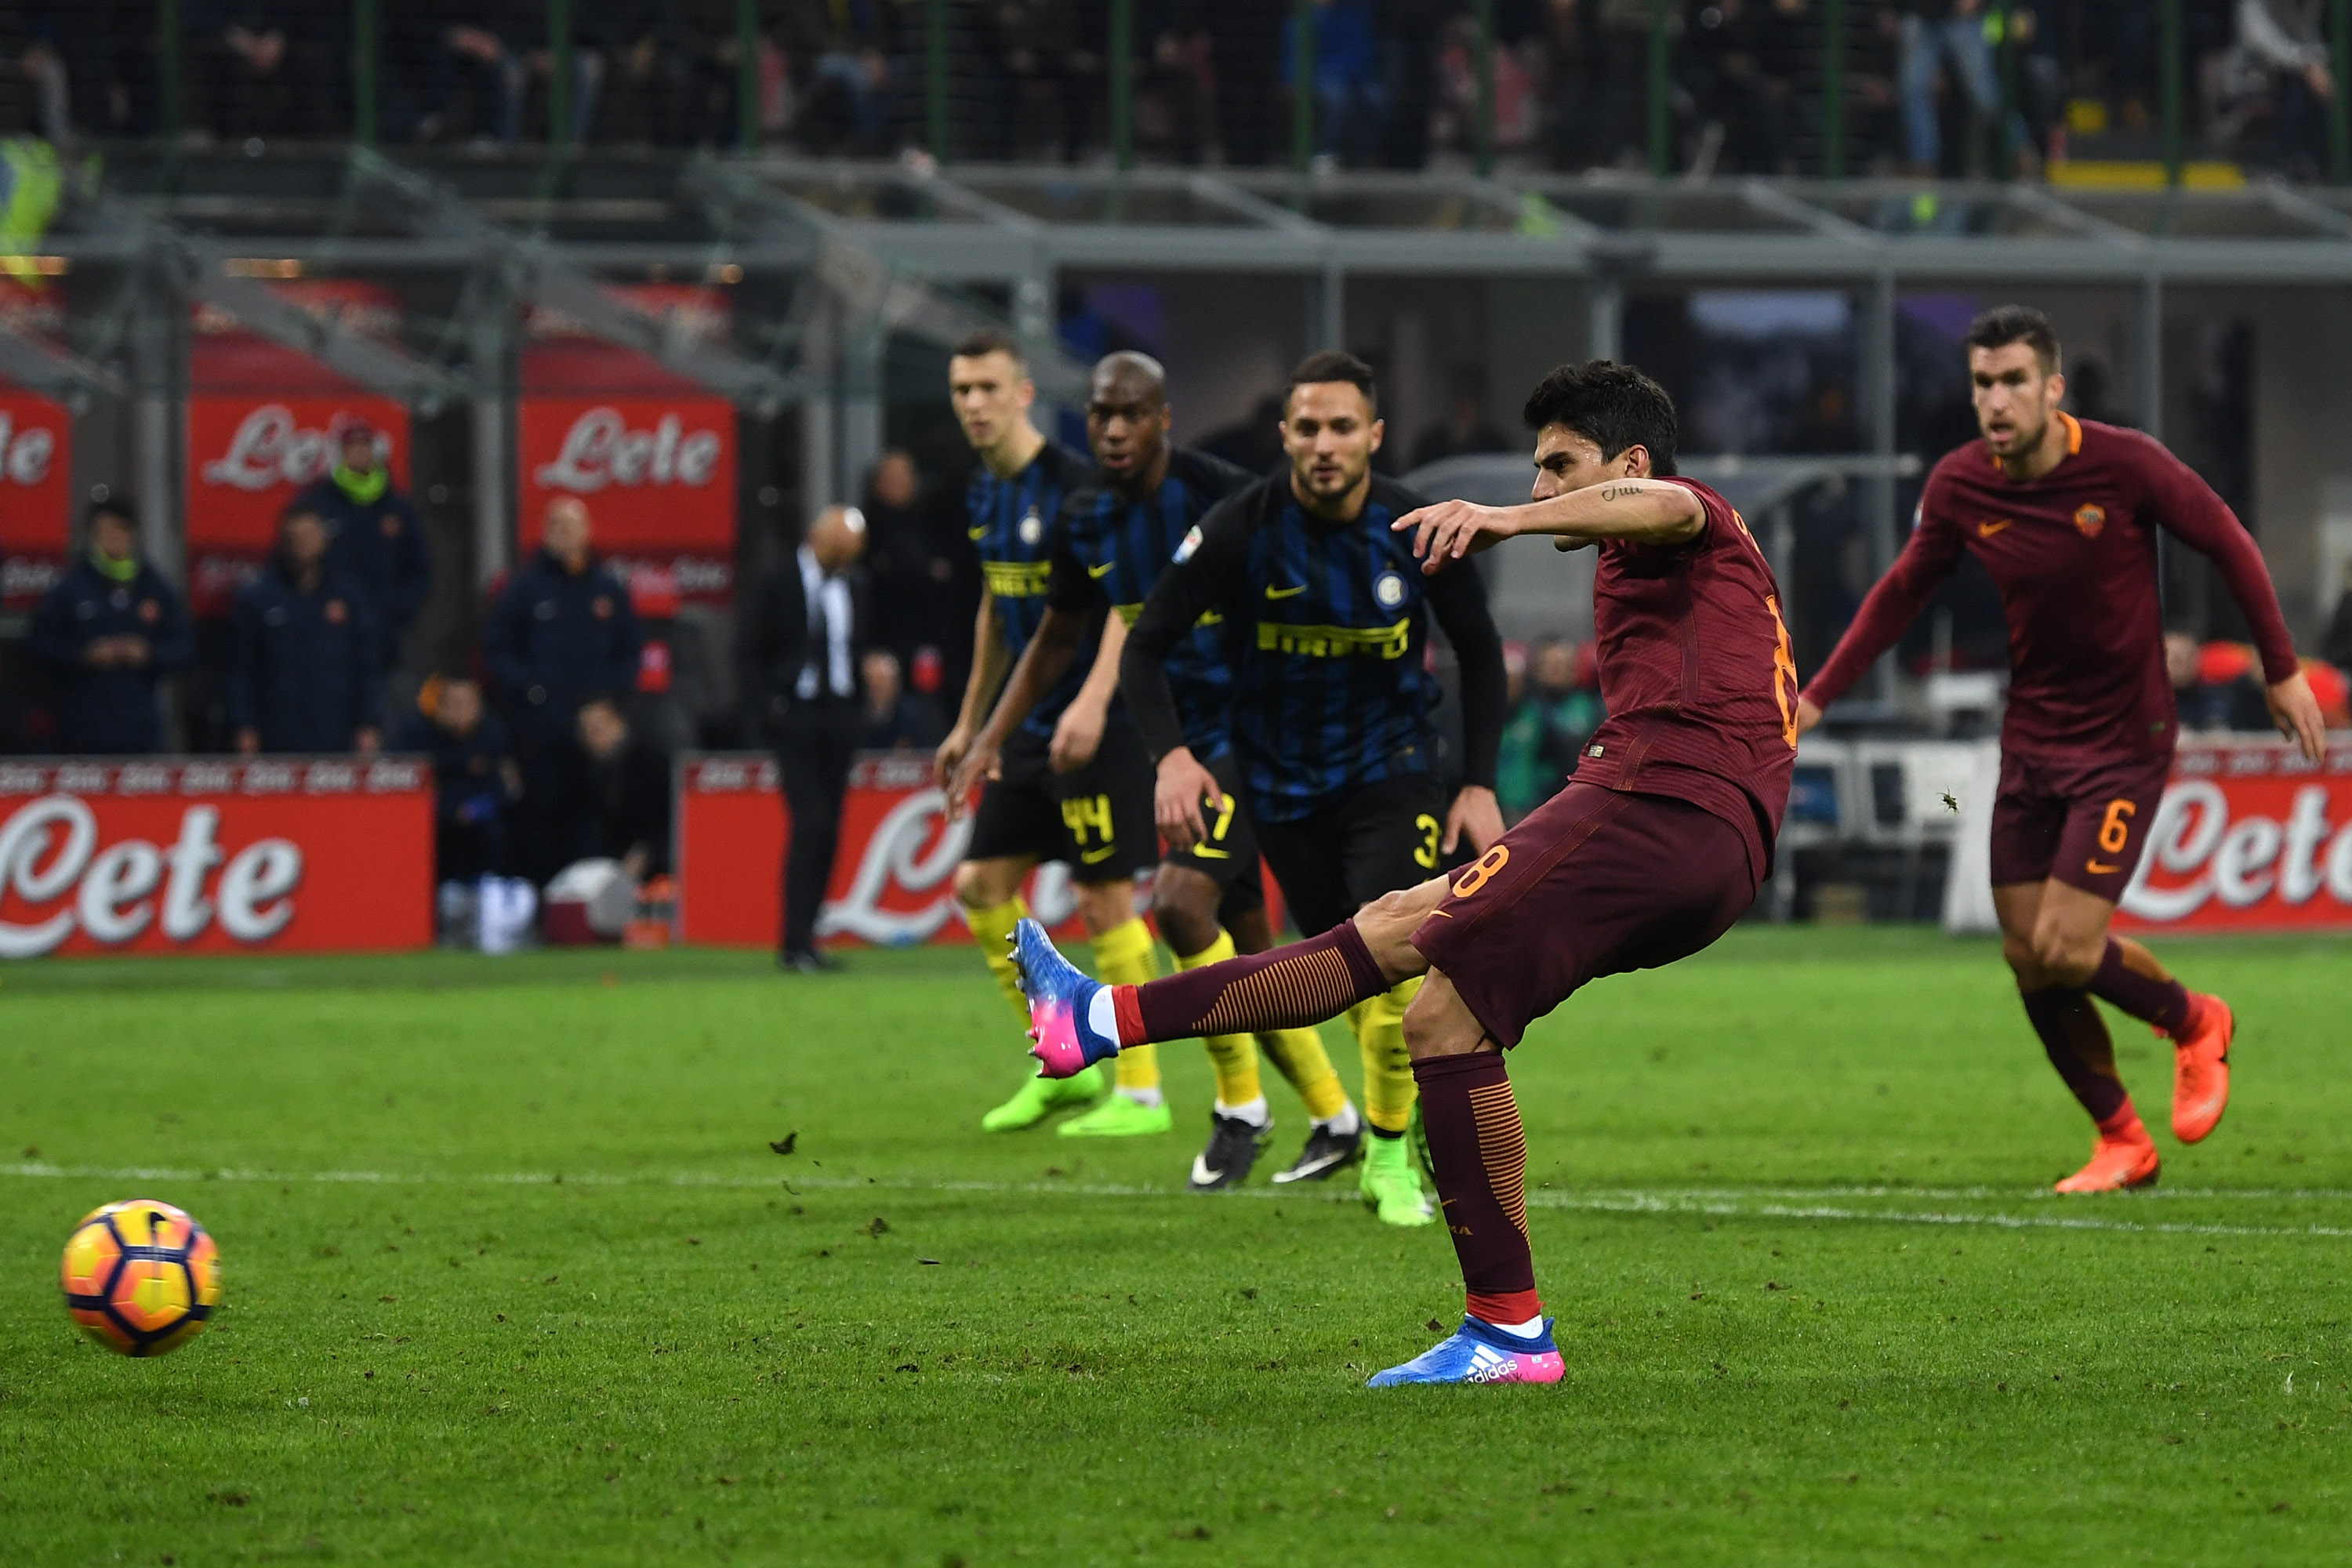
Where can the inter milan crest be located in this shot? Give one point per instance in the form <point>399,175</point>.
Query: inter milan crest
<point>2090,520</point>
<point>1033,527</point>
<point>1388,589</point>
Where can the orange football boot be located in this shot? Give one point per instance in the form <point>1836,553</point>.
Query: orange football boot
<point>2124,1158</point>
<point>2200,1067</point>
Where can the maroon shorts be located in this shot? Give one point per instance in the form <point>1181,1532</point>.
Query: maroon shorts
<point>2083,823</point>
<point>1593,882</point>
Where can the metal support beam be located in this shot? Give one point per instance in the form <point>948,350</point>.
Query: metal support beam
<point>2147,355</point>
<point>157,321</point>
<point>862,355</point>
<point>819,481</point>
<point>36,363</point>
<point>1327,324</point>
<point>1881,526</point>
<point>491,351</point>
<point>1604,319</point>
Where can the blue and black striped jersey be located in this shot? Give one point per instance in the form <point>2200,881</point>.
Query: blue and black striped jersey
<point>1326,626</point>
<point>1113,550</point>
<point>1011,525</point>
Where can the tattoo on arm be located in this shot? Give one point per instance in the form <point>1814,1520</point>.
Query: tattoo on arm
<point>1621,491</point>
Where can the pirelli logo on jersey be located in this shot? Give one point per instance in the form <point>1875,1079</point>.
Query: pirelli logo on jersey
<point>1018,579</point>
<point>1335,642</point>
<point>1131,613</point>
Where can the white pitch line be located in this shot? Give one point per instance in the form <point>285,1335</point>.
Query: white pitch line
<point>1713,1202</point>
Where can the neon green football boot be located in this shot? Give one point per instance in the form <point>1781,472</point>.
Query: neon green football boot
<point>1390,1186</point>
<point>1119,1117</point>
<point>1040,1096</point>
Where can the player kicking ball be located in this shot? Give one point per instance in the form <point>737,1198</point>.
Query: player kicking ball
<point>1656,846</point>
<point>2064,514</point>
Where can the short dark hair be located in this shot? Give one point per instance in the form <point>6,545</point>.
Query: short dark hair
<point>1612,405</point>
<point>2006,324</point>
<point>1331,365</point>
<point>989,341</point>
<point>299,506</point>
<point>123,509</point>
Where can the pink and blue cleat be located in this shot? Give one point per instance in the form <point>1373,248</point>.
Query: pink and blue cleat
<point>1478,1351</point>
<point>1061,1000</point>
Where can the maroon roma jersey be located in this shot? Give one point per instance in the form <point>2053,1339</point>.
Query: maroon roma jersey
<point>2074,554</point>
<point>1699,676</point>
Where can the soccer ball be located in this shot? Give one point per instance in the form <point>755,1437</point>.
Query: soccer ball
<point>141,1278</point>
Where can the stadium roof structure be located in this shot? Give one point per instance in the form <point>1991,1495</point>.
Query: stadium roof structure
<point>829,260</point>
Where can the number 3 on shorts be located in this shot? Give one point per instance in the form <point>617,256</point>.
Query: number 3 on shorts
<point>1429,827</point>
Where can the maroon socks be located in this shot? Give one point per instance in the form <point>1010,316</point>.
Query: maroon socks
<point>1292,987</point>
<point>2076,1038</point>
<point>2157,998</point>
<point>1480,1154</point>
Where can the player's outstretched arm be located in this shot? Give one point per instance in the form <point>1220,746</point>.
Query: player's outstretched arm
<point>988,662</point>
<point>2187,506</point>
<point>1041,665</point>
<point>1890,607</point>
<point>1079,734</point>
<point>1654,511</point>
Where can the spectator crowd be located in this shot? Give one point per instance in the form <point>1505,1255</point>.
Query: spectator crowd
<point>1390,80</point>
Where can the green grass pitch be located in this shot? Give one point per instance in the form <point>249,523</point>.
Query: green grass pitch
<point>1790,1208</point>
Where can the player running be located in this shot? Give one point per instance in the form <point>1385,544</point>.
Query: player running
<point>1651,852</point>
<point>1325,622</point>
<point>1113,542</point>
<point>2064,512</point>
<point>1073,784</point>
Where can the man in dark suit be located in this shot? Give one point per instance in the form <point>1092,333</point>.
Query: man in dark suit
<point>805,668</point>
<point>302,674</point>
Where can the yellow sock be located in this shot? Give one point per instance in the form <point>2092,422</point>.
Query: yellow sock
<point>991,928</point>
<point>1235,1056</point>
<point>1123,957</point>
<point>1388,1087</point>
<point>1298,1055</point>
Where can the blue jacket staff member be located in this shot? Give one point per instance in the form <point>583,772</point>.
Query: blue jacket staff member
<point>110,630</point>
<point>562,632</point>
<point>303,659</point>
<point>374,537</point>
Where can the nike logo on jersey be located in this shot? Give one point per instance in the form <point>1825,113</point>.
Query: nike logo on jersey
<point>1286,593</point>
<point>1986,530</point>
<point>976,534</point>
<point>2096,869</point>
<point>1096,857</point>
<point>1102,571</point>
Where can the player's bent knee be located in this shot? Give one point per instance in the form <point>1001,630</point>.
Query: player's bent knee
<point>1387,925</point>
<point>984,884</point>
<point>1105,906</point>
<point>1185,909</point>
<point>2067,959</point>
<point>1438,1023</point>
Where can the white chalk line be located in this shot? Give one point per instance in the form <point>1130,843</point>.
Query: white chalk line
<point>1728,1203</point>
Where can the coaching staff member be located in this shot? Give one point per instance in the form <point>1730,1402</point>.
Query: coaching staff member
<point>111,629</point>
<point>813,634</point>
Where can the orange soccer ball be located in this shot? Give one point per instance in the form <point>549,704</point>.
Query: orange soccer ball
<point>141,1278</point>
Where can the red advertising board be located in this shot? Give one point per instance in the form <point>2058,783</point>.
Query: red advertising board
<point>36,493</point>
<point>893,878</point>
<point>283,856</point>
<point>652,453</point>
<point>2250,836</point>
<point>264,421</point>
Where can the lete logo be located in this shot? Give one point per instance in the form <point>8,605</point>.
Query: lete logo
<point>271,448</point>
<point>895,858</point>
<point>600,449</point>
<point>2242,863</point>
<point>24,454</point>
<point>112,892</point>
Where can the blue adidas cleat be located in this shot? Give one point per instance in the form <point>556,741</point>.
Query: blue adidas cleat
<point>1060,997</point>
<point>1478,1351</point>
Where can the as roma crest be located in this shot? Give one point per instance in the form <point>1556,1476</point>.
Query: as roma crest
<point>2090,520</point>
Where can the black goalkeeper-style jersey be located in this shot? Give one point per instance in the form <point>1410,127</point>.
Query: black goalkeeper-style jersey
<point>1113,550</point>
<point>1326,626</point>
<point>1011,525</point>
